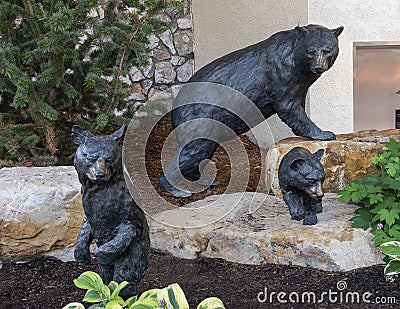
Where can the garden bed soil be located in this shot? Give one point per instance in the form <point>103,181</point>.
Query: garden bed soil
<point>48,283</point>
<point>45,283</point>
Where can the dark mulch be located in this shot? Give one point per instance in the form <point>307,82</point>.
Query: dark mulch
<point>48,283</point>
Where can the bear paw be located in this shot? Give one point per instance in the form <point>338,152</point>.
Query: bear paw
<point>310,220</point>
<point>298,215</point>
<point>174,190</point>
<point>82,257</point>
<point>325,136</point>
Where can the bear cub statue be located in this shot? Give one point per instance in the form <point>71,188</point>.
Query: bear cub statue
<point>112,218</point>
<point>301,176</point>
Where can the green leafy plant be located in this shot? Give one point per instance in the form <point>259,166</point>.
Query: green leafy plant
<point>60,64</point>
<point>392,250</point>
<point>171,297</point>
<point>378,197</point>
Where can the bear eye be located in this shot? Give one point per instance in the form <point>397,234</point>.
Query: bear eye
<point>92,158</point>
<point>327,51</point>
<point>110,159</point>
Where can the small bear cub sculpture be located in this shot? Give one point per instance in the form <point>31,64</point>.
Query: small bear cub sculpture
<point>301,176</point>
<point>113,219</point>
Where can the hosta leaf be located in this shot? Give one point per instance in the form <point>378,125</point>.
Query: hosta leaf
<point>145,303</point>
<point>74,306</point>
<point>392,268</point>
<point>130,301</point>
<point>93,296</point>
<point>150,294</point>
<point>116,292</point>
<point>174,296</point>
<point>391,248</point>
<point>211,303</point>
<point>113,305</point>
<point>89,280</point>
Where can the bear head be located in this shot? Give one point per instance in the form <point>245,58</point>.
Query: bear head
<point>97,158</point>
<point>316,48</point>
<point>308,174</point>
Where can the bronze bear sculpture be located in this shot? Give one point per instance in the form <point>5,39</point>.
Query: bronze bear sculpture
<point>113,219</point>
<point>274,74</point>
<point>301,176</point>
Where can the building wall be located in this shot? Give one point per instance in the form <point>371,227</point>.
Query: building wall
<point>222,26</point>
<point>331,97</point>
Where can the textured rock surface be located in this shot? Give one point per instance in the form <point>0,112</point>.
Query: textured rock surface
<point>345,159</point>
<point>165,73</point>
<point>41,210</point>
<point>256,228</point>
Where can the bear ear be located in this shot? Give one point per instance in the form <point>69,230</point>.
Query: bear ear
<point>300,31</point>
<point>296,164</point>
<point>79,134</point>
<point>318,155</point>
<point>116,136</point>
<point>337,31</point>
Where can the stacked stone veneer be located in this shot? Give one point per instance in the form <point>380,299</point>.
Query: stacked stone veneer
<point>171,57</point>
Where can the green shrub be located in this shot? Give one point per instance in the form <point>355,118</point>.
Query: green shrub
<point>171,297</point>
<point>60,66</point>
<point>378,197</point>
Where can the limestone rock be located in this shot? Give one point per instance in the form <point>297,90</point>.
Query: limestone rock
<point>345,159</point>
<point>148,71</point>
<point>168,39</point>
<point>255,228</point>
<point>41,210</point>
<point>185,22</point>
<point>146,85</point>
<point>164,73</point>
<point>153,41</point>
<point>184,42</point>
<point>161,53</point>
<point>177,60</point>
<point>185,71</point>
<point>137,93</point>
<point>135,74</point>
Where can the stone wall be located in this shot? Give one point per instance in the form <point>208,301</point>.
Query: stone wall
<point>171,57</point>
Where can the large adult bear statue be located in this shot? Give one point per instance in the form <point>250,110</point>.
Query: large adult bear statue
<point>274,74</point>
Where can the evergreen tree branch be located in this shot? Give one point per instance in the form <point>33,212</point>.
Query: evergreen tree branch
<point>120,66</point>
<point>35,22</point>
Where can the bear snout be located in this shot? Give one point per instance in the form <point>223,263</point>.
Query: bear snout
<point>319,63</point>
<point>99,172</point>
<point>315,191</point>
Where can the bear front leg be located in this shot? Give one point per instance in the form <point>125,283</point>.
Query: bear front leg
<point>293,114</point>
<point>108,252</point>
<point>311,205</point>
<point>295,203</point>
<point>83,242</point>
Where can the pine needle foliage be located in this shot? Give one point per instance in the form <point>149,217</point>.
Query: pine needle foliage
<point>60,64</point>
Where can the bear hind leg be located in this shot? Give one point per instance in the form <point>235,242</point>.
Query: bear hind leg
<point>189,162</point>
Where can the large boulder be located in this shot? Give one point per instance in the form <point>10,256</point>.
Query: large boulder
<point>256,228</point>
<point>41,210</point>
<point>345,159</point>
